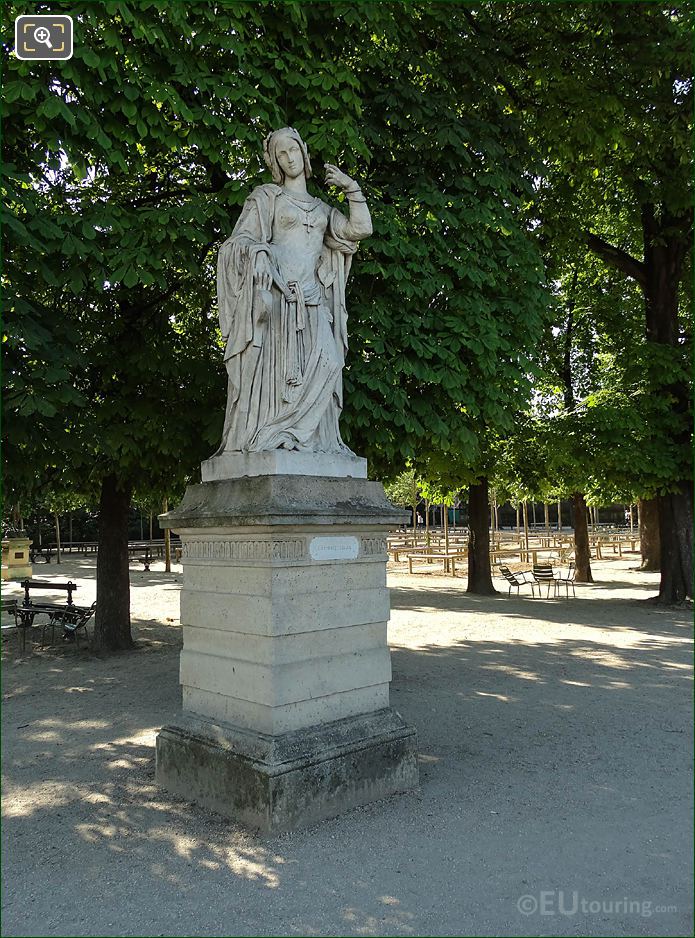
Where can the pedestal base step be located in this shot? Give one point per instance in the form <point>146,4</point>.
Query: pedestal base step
<point>280,783</point>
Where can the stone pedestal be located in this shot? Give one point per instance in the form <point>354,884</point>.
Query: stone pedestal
<point>285,667</point>
<point>16,564</point>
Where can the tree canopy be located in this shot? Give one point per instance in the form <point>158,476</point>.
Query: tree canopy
<point>527,166</point>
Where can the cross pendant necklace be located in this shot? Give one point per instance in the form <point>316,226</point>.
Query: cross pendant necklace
<point>308,223</point>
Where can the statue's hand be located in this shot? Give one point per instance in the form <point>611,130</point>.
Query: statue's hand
<point>336,177</point>
<point>263,275</point>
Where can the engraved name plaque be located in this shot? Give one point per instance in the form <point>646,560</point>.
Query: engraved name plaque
<point>334,548</point>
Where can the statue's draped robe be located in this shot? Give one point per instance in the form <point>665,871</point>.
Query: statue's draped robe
<point>285,347</point>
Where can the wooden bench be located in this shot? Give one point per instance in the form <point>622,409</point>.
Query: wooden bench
<point>146,560</point>
<point>70,616</point>
<point>430,554</point>
<point>618,544</point>
<point>498,554</point>
<point>45,552</point>
<point>396,550</point>
<point>159,551</point>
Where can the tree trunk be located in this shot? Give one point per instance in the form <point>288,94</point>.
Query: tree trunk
<point>546,518</point>
<point>525,507</point>
<point>559,514</point>
<point>666,243</point>
<point>445,516</point>
<point>663,264</point>
<point>676,535</point>
<point>518,522</point>
<point>582,554</point>
<point>167,539</point>
<point>479,572</point>
<point>57,524</point>
<point>649,533</point>
<point>112,621</point>
<point>70,529</point>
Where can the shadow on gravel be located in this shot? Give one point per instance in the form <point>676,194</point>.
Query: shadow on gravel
<point>505,728</point>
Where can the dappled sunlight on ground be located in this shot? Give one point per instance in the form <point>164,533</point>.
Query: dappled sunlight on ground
<point>554,752</point>
<point>361,924</point>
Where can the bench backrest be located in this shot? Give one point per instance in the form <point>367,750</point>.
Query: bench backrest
<point>28,585</point>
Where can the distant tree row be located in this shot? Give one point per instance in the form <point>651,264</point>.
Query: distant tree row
<point>520,310</point>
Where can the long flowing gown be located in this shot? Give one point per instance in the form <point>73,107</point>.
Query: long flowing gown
<point>285,347</point>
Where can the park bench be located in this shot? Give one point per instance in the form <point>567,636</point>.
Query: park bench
<point>617,544</point>
<point>146,560</point>
<point>395,550</point>
<point>430,554</point>
<point>531,554</point>
<point>499,554</point>
<point>8,606</point>
<point>517,580</point>
<point>154,550</point>
<point>45,552</point>
<point>70,616</point>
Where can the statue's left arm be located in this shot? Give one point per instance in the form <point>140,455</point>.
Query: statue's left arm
<point>359,224</point>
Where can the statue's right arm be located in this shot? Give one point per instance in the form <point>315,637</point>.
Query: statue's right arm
<point>237,260</point>
<point>236,264</point>
<point>245,260</point>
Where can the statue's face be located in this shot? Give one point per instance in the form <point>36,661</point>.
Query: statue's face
<point>289,156</point>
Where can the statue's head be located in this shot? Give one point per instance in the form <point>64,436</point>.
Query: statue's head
<point>285,153</point>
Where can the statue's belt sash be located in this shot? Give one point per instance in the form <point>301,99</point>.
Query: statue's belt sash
<point>293,322</point>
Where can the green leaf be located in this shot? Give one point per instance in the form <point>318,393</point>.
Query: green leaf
<point>131,277</point>
<point>12,90</point>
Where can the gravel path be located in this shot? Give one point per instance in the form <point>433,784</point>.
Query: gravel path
<point>556,782</point>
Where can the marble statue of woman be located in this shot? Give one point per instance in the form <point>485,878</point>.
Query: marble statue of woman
<point>281,289</point>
